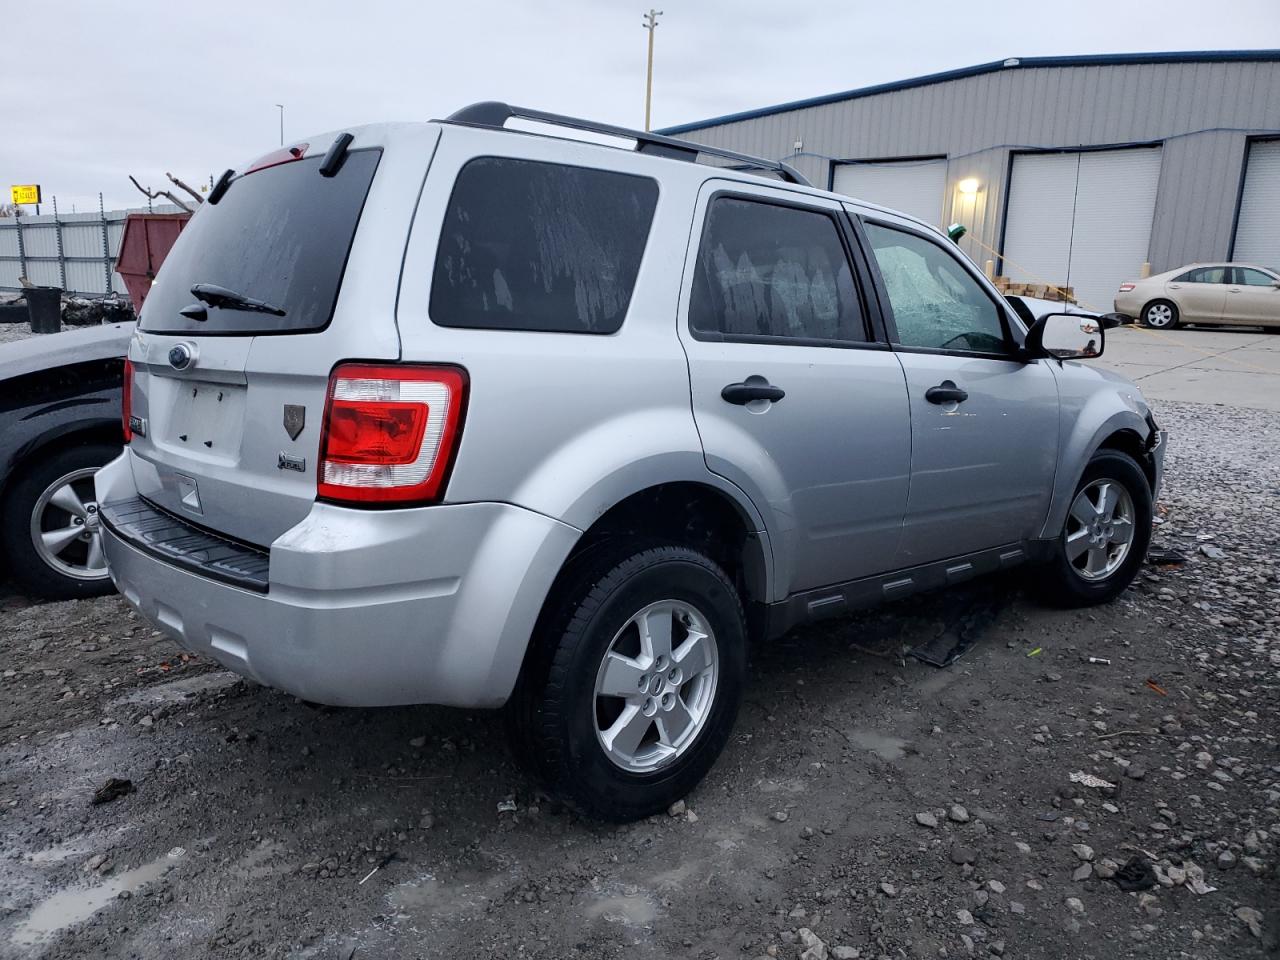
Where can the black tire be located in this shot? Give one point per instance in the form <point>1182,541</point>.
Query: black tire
<point>552,718</point>
<point>1060,583</point>
<point>1157,325</point>
<point>23,562</point>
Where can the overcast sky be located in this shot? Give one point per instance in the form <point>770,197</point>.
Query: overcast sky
<point>93,93</point>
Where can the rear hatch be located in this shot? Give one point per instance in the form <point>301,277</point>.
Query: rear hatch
<point>289,272</point>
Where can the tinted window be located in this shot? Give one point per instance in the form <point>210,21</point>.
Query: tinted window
<point>772,271</point>
<point>540,246</point>
<point>1253,278</point>
<point>280,235</point>
<point>1204,275</point>
<point>936,302</point>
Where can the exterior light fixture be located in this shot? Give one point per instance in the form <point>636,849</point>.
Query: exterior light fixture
<point>968,186</point>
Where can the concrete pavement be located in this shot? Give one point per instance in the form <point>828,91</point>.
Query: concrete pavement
<point>1230,367</point>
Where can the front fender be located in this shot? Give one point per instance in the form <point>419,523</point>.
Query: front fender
<point>1094,408</point>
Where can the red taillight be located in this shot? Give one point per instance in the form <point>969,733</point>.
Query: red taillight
<point>1126,287</point>
<point>390,432</point>
<point>126,400</point>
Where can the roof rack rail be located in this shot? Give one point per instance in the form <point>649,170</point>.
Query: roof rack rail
<point>494,115</point>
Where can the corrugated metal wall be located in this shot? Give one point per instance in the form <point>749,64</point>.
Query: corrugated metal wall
<point>84,261</point>
<point>1199,110</point>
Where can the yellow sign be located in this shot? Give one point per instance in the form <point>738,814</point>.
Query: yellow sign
<point>25,192</point>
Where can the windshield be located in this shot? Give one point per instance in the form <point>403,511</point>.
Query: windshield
<point>279,236</point>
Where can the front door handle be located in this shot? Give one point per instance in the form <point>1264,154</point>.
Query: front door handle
<point>946,392</point>
<point>754,388</point>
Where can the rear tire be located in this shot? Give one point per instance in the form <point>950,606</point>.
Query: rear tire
<point>72,566</point>
<point>617,726</point>
<point>1160,315</point>
<point>1073,578</point>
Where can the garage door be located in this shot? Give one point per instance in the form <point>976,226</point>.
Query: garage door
<point>912,186</point>
<point>1081,219</point>
<point>1258,228</point>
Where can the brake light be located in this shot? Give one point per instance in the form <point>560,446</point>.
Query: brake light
<point>390,432</point>
<point>1126,286</point>
<point>277,157</point>
<point>126,400</point>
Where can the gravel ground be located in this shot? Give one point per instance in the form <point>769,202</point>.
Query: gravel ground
<point>867,806</point>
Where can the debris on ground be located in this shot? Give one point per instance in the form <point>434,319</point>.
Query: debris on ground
<point>113,789</point>
<point>1136,874</point>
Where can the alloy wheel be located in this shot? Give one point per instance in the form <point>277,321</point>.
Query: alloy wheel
<point>1100,529</point>
<point>65,527</point>
<point>656,686</point>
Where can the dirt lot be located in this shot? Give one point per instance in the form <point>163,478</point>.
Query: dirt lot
<point>869,806</point>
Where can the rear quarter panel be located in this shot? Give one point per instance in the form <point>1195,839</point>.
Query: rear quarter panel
<point>562,423</point>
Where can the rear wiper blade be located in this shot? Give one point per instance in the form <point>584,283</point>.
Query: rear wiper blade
<point>216,296</point>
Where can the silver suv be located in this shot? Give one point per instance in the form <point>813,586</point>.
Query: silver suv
<point>460,414</point>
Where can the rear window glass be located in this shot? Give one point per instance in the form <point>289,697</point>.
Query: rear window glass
<point>540,246</point>
<point>279,235</point>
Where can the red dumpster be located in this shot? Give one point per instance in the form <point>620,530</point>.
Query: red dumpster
<point>147,240</point>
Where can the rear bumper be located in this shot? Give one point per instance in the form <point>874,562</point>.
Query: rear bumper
<point>363,608</point>
<point>1128,304</point>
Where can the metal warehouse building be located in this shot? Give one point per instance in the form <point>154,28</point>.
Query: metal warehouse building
<point>1065,170</point>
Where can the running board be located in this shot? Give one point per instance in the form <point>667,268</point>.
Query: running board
<point>842,598</point>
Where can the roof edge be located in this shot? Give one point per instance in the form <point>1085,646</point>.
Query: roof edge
<point>1012,63</point>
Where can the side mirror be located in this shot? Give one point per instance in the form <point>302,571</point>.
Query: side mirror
<point>1066,336</point>
<point>1276,284</point>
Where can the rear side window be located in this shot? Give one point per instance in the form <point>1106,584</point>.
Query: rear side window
<point>280,235</point>
<point>1204,275</point>
<point>540,246</point>
<point>776,272</point>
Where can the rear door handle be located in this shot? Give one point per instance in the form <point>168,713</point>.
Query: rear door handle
<point>946,392</point>
<point>754,388</point>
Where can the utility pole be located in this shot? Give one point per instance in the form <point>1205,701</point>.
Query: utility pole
<point>281,106</point>
<point>650,24</point>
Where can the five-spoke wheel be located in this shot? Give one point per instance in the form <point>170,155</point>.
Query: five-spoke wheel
<point>634,678</point>
<point>655,685</point>
<point>49,529</point>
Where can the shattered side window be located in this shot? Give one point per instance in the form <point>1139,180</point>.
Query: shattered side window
<point>936,303</point>
<point>540,246</point>
<point>773,271</point>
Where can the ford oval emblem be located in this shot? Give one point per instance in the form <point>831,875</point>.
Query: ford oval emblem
<point>180,356</point>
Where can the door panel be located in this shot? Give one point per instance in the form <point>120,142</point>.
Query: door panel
<point>1253,298</point>
<point>981,470</point>
<point>827,464</point>
<point>1198,301</point>
<point>984,424</point>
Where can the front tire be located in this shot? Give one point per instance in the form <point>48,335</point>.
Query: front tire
<point>634,680</point>
<point>49,525</point>
<point>1105,536</point>
<point>1160,315</point>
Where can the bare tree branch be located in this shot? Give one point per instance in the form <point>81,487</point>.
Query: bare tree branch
<point>178,183</point>
<point>153,194</point>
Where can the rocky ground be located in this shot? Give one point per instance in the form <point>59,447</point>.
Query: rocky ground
<point>869,806</point>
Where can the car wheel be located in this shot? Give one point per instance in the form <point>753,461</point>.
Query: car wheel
<point>49,525</point>
<point>1160,315</point>
<point>1105,536</point>
<point>634,680</point>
